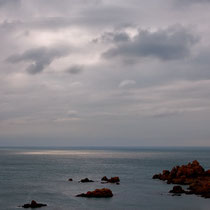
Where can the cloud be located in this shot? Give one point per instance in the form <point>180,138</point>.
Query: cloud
<point>183,2</point>
<point>113,37</point>
<point>166,44</point>
<point>72,113</point>
<point>162,113</point>
<point>76,84</point>
<point>9,2</point>
<point>39,58</point>
<point>75,69</point>
<point>127,83</point>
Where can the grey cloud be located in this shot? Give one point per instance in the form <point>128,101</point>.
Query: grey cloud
<point>9,2</point>
<point>89,17</point>
<point>175,111</point>
<point>127,83</point>
<point>72,113</point>
<point>113,37</point>
<point>168,44</point>
<point>121,37</point>
<point>40,57</point>
<point>75,69</point>
<point>183,2</point>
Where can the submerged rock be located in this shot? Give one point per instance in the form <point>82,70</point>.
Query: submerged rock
<point>86,180</point>
<point>177,190</point>
<point>192,174</point>
<point>98,193</point>
<point>33,204</point>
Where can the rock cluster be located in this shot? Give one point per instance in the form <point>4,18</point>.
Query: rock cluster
<point>33,204</point>
<point>192,174</point>
<point>98,193</point>
<point>115,179</point>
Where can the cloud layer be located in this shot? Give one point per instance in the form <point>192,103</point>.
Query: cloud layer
<point>79,72</point>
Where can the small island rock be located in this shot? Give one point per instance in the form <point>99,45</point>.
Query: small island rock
<point>98,193</point>
<point>115,179</point>
<point>86,180</point>
<point>33,204</point>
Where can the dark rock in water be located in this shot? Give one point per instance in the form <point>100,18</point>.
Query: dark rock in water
<point>86,180</point>
<point>156,176</point>
<point>98,193</point>
<point>192,174</point>
<point>104,179</point>
<point>177,190</point>
<point>70,179</point>
<point>33,204</point>
<point>115,179</point>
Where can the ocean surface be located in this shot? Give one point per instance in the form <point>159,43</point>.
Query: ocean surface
<point>42,174</point>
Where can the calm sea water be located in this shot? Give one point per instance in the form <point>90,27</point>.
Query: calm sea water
<point>41,174</point>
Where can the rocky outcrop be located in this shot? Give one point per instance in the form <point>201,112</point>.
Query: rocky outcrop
<point>115,179</point>
<point>86,180</point>
<point>192,174</point>
<point>98,193</point>
<point>33,204</point>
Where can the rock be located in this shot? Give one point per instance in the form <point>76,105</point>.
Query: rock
<point>70,179</point>
<point>86,180</point>
<point>166,172</point>
<point>98,193</point>
<point>200,187</point>
<point>115,179</point>
<point>191,174</point>
<point>33,204</point>
<point>156,176</point>
<point>207,173</point>
<point>177,190</point>
<point>104,179</point>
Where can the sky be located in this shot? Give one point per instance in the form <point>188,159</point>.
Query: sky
<point>104,73</point>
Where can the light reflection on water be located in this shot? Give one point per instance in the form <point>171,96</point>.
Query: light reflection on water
<point>97,154</point>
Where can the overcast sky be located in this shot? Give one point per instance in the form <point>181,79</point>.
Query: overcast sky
<point>104,73</point>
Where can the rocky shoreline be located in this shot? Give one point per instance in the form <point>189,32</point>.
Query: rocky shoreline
<point>192,174</point>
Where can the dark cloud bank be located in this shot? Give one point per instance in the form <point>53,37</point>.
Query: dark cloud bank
<point>39,57</point>
<point>167,44</point>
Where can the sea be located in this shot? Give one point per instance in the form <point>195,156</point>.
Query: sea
<point>42,174</point>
